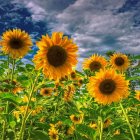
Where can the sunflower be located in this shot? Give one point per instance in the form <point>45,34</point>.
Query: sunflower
<point>56,56</point>
<point>68,94</point>
<point>137,96</point>
<point>53,133</point>
<point>70,130</point>
<point>73,75</point>
<point>93,125</point>
<point>117,132</point>
<point>94,63</point>
<point>108,86</point>
<point>119,61</point>
<point>46,91</point>
<point>16,43</point>
<point>107,123</point>
<point>76,119</point>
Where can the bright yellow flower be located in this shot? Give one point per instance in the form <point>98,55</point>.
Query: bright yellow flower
<point>22,109</point>
<point>76,119</point>
<point>42,119</point>
<point>107,123</point>
<point>46,91</point>
<point>68,94</point>
<point>53,134</point>
<point>16,43</point>
<point>16,114</point>
<point>56,56</point>
<point>108,86</point>
<point>25,99</point>
<point>117,132</point>
<point>119,61</point>
<point>17,90</point>
<point>94,63</point>
<point>137,96</point>
<point>93,125</point>
<point>71,130</point>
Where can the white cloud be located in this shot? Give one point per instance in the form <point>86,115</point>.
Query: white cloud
<point>89,22</point>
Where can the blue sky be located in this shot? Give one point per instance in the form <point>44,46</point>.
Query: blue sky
<point>96,26</point>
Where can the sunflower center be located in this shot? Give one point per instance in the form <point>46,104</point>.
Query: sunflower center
<point>46,92</point>
<point>107,86</point>
<point>16,43</point>
<point>76,118</point>
<point>54,136</point>
<point>94,66</point>
<point>119,61</point>
<point>56,56</point>
<point>73,75</point>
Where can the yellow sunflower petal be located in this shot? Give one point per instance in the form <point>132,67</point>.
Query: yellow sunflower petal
<point>107,86</point>
<point>16,43</point>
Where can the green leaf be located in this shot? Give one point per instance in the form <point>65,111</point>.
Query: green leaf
<point>121,137</point>
<point>12,124</point>
<point>10,134</point>
<point>136,57</point>
<point>10,97</point>
<point>85,130</point>
<point>29,67</point>
<point>134,78</point>
<point>39,135</point>
<point>2,71</point>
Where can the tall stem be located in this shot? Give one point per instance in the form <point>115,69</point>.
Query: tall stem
<point>127,120</point>
<point>13,68</point>
<point>7,103</point>
<point>100,127</point>
<point>22,129</point>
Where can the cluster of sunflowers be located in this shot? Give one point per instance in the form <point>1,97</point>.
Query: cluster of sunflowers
<point>55,101</point>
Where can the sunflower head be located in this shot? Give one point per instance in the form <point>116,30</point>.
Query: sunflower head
<point>108,86</point>
<point>117,132</point>
<point>71,130</point>
<point>73,75</point>
<point>137,96</point>
<point>107,123</point>
<point>93,125</point>
<point>119,61</point>
<point>56,56</point>
<point>68,94</point>
<point>53,133</point>
<point>76,119</point>
<point>46,91</point>
<point>16,43</point>
<point>94,63</point>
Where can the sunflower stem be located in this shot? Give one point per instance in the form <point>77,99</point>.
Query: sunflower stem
<point>13,69</point>
<point>127,120</point>
<point>101,127</point>
<point>7,103</point>
<point>5,122</point>
<point>23,125</point>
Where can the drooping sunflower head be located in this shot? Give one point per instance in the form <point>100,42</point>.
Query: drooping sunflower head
<point>93,125</point>
<point>94,63</point>
<point>107,123</point>
<point>16,43</point>
<point>70,130</point>
<point>56,56</point>
<point>76,119</point>
<point>119,61</point>
<point>108,86</point>
<point>46,91</point>
<point>68,94</point>
<point>53,133</point>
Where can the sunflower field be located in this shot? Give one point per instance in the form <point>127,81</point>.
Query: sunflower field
<point>48,99</point>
